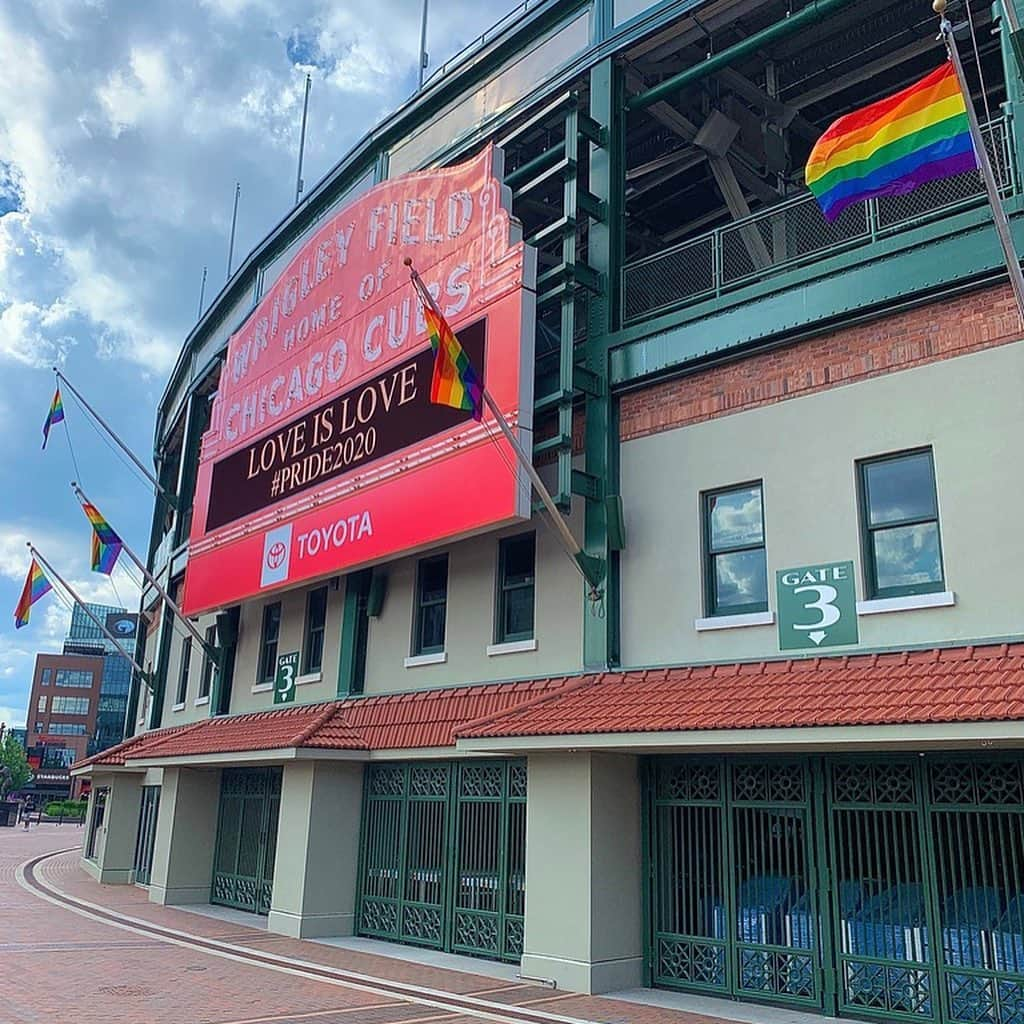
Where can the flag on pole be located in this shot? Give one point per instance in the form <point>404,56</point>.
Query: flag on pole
<point>55,415</point>
<point>106,544</point>
<point>454,382</point>
<point>891,147</point>
<point>36,585</point>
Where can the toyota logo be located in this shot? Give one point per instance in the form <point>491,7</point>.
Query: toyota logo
<point>276,555</point>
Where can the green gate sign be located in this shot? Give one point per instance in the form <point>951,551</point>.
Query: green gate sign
<point>817,606</point>
<point>284,681</point>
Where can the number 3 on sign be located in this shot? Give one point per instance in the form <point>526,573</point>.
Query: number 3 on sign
<point>284,681</point>
<point>817,606</point>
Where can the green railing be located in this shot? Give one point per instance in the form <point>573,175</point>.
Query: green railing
<point>792,233</point>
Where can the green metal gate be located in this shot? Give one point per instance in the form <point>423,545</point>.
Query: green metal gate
<point>731,844</point>
<point>881,888</point>
<point>146,835</point>
<point>442,856</point>
<point>243,871</point>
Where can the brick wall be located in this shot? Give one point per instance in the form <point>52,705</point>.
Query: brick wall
<point>942,330</point>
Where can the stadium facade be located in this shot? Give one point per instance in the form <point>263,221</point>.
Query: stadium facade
<point>777,753</point>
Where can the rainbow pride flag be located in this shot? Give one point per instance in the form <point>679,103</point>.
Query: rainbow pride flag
<point>36,585</point>
<point>55,415</point>
<point>106,544</point>
<point>455,382</point>
<point>893,146</point>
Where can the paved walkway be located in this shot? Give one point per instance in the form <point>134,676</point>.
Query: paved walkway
<point>73,950</point>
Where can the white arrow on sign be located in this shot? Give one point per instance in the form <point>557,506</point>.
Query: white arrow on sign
<point>817,636</point>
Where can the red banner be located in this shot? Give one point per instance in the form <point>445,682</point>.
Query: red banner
<point>324,453</point>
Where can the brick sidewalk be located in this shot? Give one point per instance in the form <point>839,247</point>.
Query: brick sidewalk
<point>62,966</point>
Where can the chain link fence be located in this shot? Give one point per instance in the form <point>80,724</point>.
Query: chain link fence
<point>792,232</point>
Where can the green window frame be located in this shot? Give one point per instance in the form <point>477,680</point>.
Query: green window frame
<point>741,547</point>
<point>183,670</point>
<point>316,626</point>
<point>517,565</point>
<point>269,635</point>
<point>206,676</point>
<point>431,623</point>
<point>899,514</point>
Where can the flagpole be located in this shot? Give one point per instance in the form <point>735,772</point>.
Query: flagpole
<point>99,419</point>
<point>984,164</point>
<point>208,650</point>
<point>85,608</point>
<point>588,565</point>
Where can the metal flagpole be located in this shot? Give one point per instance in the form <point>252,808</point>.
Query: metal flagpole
<point>85,608</point>
<point>234,221</point>
<point>984,164</point>
<point>588,565</point>
<point>202,294</point>
<point>99,419</point>
<point>423,45</point>
<point>302,141</point>
<point>208,650</point>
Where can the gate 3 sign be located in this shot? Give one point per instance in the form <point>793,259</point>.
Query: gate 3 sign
<point>817,606</point>
<point>284,680</point>
<point>324,452</point>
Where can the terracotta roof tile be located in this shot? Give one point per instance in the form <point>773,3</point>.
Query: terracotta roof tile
<point>964,684</point>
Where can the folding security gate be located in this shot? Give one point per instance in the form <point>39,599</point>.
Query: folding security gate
<point>443,856</point>
<point>243,871</point>
<point>146,835</point>
<point>888,889</point>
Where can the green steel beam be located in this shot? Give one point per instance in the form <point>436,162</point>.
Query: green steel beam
<point>816,10</point>
<point>600,440</point>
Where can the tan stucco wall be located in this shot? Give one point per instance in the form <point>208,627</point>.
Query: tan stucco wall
<point>186,832</point>
<point>969,409</point>
<point>583,871</point>
<point>317,850</point>
<point>115,838</point>
<point>472,573</point>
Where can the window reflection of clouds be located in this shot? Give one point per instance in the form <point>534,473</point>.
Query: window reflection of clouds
<point>901,489</point>
<point>736,518</point>
<point>741,578</point>
<point>907,555</point>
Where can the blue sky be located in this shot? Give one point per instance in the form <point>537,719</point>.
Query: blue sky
<point>123,128</point>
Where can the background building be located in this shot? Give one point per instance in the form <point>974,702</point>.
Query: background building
<point>780,757</point>
<point>78,699</point>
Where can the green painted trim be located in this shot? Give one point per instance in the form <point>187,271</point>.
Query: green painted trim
<point>915,263</point>
<point>354,626</point>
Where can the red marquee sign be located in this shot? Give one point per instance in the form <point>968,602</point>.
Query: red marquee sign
<point>324,452</point>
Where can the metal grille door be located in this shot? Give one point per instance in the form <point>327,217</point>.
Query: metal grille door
<point>146,834</point>
<point>243,873</point>
<point>443,852</point>
<point>735,894</point>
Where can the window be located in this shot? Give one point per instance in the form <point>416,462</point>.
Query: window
<point>900,525</point>
<point>58,757</point>
<point>316,622</point>
<point>39,727</point>
<point>431,605</point>
<point>41,704</point>
<point>69,706</point>
<point>206,678</point>
<point>516,560</point>
<point>186,664</point>
<point>64,729</point>
<point>268,642</point>
<point>73,677</point>
<point>47,675</point>
<point>735,575</point>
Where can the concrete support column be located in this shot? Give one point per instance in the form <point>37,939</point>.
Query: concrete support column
<point>317,849</point>
<point>583,872</point>
<point>186,836</point>
<point>114,862</point>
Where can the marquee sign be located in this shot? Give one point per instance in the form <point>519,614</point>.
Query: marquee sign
<point>324,452</point>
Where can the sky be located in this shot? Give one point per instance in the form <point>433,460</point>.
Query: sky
<point>123,129</point>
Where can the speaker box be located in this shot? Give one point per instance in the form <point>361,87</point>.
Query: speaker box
<point>227,627</point>
<point>377,592</point>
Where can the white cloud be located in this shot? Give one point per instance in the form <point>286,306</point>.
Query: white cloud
<point>35,335</point>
